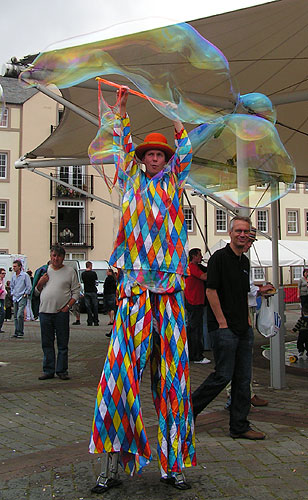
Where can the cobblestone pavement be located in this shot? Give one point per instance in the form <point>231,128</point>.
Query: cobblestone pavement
<point>45,428</point>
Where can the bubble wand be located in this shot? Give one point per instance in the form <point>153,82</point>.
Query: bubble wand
<point>131,91</point>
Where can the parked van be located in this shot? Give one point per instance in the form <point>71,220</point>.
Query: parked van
<point>100,267</point>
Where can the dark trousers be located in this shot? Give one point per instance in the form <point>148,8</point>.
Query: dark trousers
<point>233,359</point>
<point>91,303</point>
<point>55,325</point>
<point>8,312</point>
<point>194,331</point>
<point>1,313</point>
<point>302,340</point>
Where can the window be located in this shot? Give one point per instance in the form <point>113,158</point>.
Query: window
<point>3,165</point>
<point>5,118</point>
<point>292,221</point>
<point>3,214</point>
<point>189,218</point>
<point>258,274</point>
<point>75,256</point>
<point>297,273</point>
<point>263,185</point>
<point>262,221</point>
<point>221,221</point>
<point>294,187</point>
<point>73,175</point>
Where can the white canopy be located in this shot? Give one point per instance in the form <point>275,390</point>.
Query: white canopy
<point>291,253</point>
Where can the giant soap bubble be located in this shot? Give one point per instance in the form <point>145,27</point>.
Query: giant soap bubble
<point>241,160</point>
<point>236,147</point>
<point>155,61</point>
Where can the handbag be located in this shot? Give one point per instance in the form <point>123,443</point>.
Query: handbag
<point>268,320</point>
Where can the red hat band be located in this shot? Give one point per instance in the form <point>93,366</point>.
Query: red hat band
<point>155,140</point>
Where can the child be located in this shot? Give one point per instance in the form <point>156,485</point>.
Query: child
<point>302,328</point>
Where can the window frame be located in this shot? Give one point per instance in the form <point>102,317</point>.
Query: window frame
<point>6,215</point>
<point>297,232</point>
<point>266,210</point>
<point>7,116</point>
<point>7,153</point>
<point>218,232</point>
<point>192,209</point>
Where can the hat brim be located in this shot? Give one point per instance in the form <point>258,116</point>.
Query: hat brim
<point>147,146</point>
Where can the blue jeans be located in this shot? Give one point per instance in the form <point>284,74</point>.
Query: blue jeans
<point>91,303</point>
<point>19,308</point>
<point>1,313</point>
<point>233,359</point>
<point>55,325</point>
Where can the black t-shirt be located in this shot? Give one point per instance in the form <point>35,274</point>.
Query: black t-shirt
<point>228,274</point>
<point>89,279</point>
<point>110,285</point>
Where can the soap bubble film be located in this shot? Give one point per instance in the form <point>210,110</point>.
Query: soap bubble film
<point>237,150</point>
<point>163,54</point>
<point>235,147</point>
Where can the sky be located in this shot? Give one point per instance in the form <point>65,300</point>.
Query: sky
<point>29,26</point>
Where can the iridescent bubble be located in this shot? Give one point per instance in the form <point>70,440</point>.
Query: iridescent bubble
<point>155,61</point>
<point>240,159</point>
<point>259,105</point>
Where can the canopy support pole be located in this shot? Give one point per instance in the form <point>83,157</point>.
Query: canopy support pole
<point>277,358</point>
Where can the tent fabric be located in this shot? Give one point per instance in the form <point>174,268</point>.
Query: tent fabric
<point>266,47</point>
<point>290,253</point>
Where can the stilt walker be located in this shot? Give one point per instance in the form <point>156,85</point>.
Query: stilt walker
<point>151,253</point>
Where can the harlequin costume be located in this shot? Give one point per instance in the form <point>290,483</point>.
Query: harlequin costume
<point>151,251</point>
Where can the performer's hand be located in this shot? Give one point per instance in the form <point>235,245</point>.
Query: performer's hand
<point>123,93</point>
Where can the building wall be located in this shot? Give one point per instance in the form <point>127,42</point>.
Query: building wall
<point>9,188</point>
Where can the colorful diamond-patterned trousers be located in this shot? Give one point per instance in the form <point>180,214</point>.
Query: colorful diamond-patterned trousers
<point>118,423</point>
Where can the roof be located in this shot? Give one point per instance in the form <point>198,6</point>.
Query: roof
<point>15,92</point>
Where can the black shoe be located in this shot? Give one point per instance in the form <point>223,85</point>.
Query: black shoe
<point>109,334</point>
<point>110,483</point>
<point>89,324</point>
<point>14,336</point>
<point>77,322</point>
<point>63,376</point>
<point>46,376</point>
<point>2,331</point>
<point>177,482</point>
<point>96,324</point>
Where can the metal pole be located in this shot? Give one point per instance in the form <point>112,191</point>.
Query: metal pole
<point>277,358</point>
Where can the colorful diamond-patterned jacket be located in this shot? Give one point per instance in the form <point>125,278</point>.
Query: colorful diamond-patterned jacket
<point>152,233</point>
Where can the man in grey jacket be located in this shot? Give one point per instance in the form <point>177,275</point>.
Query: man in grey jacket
<point>59,290</point>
